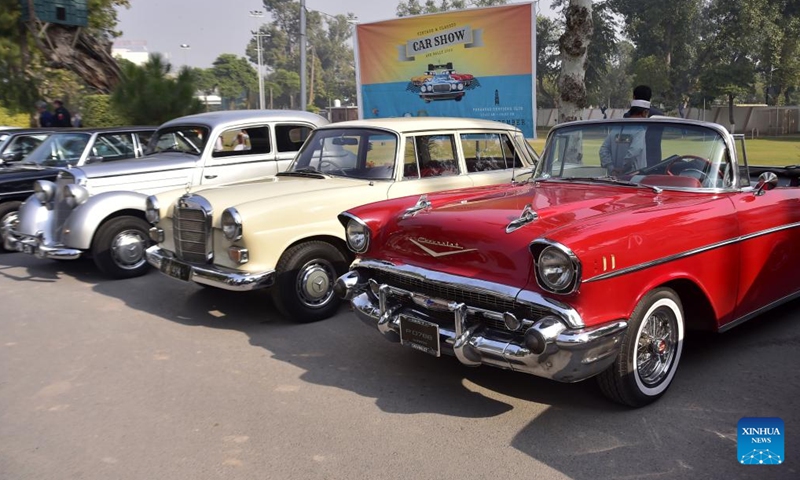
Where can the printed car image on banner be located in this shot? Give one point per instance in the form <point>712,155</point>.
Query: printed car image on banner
<point>475,63</point>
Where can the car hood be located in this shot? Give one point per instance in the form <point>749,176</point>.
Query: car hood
<point>291,195</point>
<point>467,235</point>
<point>17,177</point>
<point>151,163</point>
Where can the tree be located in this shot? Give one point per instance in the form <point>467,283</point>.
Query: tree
<point>148,95</point>
<point>414,7</point>
<point>235,77</point>
<point>548,62</point>
<point>574,45</point>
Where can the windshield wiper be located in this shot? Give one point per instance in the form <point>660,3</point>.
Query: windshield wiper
<point>304,172</point>
<point>609,180</point>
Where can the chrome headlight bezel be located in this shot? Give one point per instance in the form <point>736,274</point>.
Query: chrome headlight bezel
<point>74,195</point>
<point>44,190</point>
<point>558,269</point>
<point>356,234</point>
<point>152,211</point>
<point>231,223</point>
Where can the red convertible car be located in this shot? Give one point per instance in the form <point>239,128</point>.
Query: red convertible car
<point>630,234</point>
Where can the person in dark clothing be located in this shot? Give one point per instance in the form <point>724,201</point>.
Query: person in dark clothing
<point>46,118</point>
<point>653,136</point>
<point>643,92</point>
<point>62,117</point>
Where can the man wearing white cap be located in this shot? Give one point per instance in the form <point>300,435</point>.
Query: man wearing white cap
<point>624,148</point>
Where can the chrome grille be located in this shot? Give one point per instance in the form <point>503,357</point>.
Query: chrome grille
<point>441,87</point>
<point>191,232</point>
<point>472,298</point>
<point>61,210</point>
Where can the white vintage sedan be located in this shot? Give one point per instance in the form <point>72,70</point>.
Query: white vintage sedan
<point>282,232</point>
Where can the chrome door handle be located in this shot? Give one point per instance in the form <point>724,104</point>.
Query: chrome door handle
<point>210,177</point>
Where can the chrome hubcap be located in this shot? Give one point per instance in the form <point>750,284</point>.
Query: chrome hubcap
<point>10,219</point>
<point>656,348</point>
<point>127,249</point>
<point>315,283</point>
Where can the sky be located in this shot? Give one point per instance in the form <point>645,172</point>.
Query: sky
<point>214,27</point>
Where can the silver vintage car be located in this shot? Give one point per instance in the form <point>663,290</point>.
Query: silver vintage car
<point>99,209</point>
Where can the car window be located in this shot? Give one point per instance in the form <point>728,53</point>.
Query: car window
<point>21,145</point>
<point>242,141</point>
<point>348,152</point>
<point>144,138</point>
<point>189,139</point>
<point>59,150</point>
<point>436,155</point>
<point>488,151</point>
<point>112,146</point>
<point>290,138</point>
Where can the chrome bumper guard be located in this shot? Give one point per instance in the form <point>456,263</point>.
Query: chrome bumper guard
<point>548,350</point>
<point>34,245</point>
<point>214,276</point>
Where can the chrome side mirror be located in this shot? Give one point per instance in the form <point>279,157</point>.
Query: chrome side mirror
<point>766,181</point>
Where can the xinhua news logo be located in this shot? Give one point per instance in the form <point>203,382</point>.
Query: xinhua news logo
<point>760,441</point>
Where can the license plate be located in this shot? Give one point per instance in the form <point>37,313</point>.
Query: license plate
<point>176,269</point>
<point>419,334</point>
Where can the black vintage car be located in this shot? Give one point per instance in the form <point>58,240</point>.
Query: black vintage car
<point>17,143</point>
<point>65,148</point>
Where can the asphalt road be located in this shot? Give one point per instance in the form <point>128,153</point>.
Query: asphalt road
<point>150,378</point>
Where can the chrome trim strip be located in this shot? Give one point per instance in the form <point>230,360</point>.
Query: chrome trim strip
<point>3,194</point>
<point>215,276</point>
<point>688,253</point>
<point>757,312</point>
<point>512,294</point>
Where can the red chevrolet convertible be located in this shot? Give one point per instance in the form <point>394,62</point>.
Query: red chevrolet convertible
<point>629,235</point>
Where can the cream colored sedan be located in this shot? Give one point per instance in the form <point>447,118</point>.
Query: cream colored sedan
<point>282,232</point>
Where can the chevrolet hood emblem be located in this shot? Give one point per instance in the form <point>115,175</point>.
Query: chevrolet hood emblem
<point>454,247</point>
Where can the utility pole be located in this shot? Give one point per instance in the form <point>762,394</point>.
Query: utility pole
<point>257,33</point>
<point>302,55</point>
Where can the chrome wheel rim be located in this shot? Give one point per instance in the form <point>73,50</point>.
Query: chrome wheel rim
<point>314,285</point>
<point>127,249</point>
<point>656,346</point>
<point>10,219</point>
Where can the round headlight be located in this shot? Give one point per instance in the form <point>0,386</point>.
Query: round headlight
<point>231,224</point>
<point>151,210</point>
<point>357,236</point>
<point>74,195</point>
<point>461,86</point>
<point>44,190</point>
<point>556,270</point>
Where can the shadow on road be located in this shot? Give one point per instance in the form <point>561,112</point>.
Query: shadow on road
<point>750,371</point>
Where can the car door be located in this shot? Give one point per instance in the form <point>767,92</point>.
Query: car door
<point>769,232</point>
<point>431,163</point>
<point>240,153</point>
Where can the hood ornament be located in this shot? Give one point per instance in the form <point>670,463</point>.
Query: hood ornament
<point>454,247</point>
<point>422,204</point>
<point>527,216</point>
<point>188,188</point>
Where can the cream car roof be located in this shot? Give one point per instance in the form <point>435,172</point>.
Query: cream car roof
<point>416,124</point>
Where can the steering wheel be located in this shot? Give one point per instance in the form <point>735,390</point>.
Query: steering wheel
<point>335,167</point>
<point>687,159</point>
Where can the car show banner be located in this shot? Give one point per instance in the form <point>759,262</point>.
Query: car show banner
<point>475,63</point>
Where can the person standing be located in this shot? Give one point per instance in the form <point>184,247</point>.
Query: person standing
<point>643,92</point>
<point>624,149</point>
<point>45,117</point>
<point>62,116</point>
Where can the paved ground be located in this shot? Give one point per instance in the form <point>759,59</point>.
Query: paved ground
<point>153,379</point>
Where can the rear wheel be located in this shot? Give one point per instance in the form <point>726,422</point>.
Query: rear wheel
<point>119,245</point>
<point>650,352</point>
<point>9,212</point>
<point>303,290</point>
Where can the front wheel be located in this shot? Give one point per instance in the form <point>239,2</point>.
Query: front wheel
<point>9,213</point>
<point>119,245</point>
<point>303,290</point>
<point>650,351</point>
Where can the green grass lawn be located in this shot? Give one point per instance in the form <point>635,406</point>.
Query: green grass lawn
<point>783,150</point>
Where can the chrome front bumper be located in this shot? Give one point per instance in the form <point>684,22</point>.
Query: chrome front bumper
<point>564,355</point>
<point>34,245</point>
<point>212,275</point>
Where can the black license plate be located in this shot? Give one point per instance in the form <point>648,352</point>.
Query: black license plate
<point>419,334</point>
<point>176,269</point>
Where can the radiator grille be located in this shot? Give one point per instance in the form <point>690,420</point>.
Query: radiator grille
<point>191,233</point>
<point>441,87</point>
<point>471,298</point>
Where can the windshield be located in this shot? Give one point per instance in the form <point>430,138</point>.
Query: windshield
<point>184,139</point>
<point>18,147</point>
<point>348,152</point>
<point>59,150</point>
<point>645,152</point>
